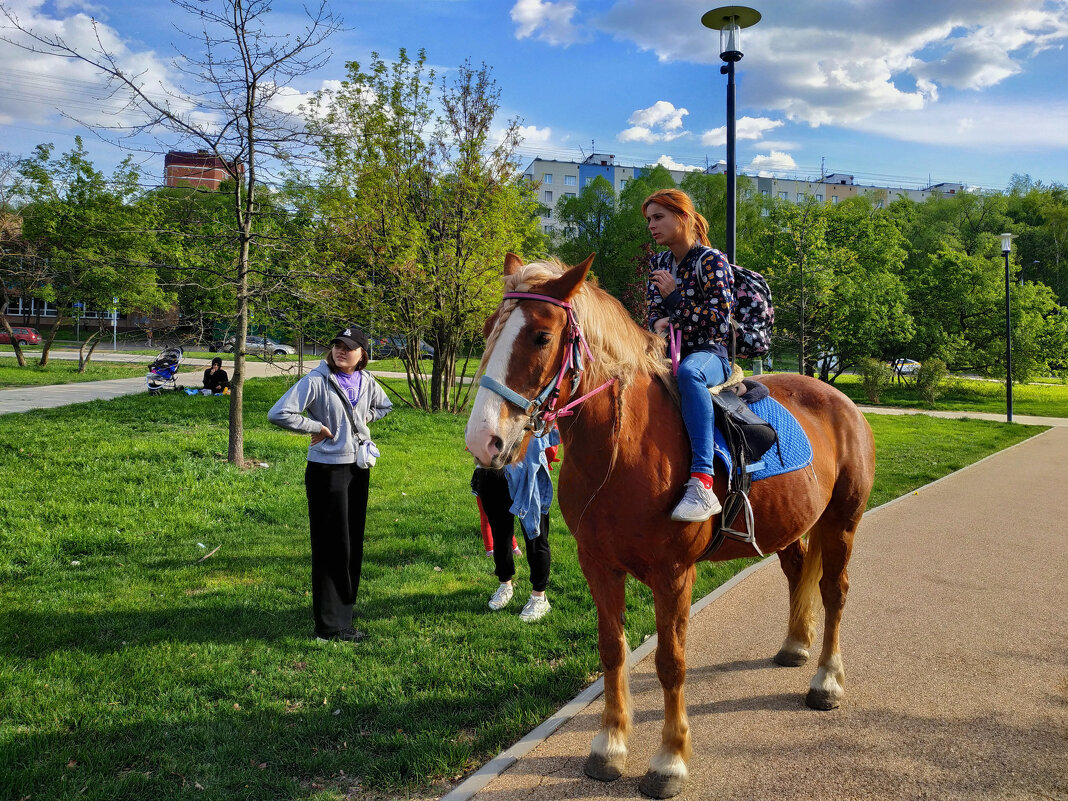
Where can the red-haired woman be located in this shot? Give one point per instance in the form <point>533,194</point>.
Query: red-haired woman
<point>691,287</point>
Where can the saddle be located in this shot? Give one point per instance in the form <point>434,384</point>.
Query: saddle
<point>748,437</point>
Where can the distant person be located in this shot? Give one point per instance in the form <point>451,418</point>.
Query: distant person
<point>215,379</point>
<point>334,404</point>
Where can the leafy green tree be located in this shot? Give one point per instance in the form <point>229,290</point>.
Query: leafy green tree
<point>421,208</point>
<point>583,224</point>
<point>95,242</point>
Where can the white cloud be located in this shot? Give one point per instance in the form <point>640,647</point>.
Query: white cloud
<point>532,135</point>
<point>548,21</point>
<point>775,161</point>
<point>744,128</point>
<point>671,164</point>
<point>840,61</point>
<point>661,122</point>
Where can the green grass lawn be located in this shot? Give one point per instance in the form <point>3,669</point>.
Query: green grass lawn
<point>130,669</point>
<point>969,395</point>
<point>62,371</point>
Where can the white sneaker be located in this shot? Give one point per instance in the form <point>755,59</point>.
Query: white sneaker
<point>697,503</point>
<point>501,598</point>
<point>535,609</point>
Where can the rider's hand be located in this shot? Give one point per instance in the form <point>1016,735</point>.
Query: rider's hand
<point>661,326</point>
<point>663,281</point>
<point>324,433</point>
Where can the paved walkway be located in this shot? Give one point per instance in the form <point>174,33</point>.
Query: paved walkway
<point>954,646</point>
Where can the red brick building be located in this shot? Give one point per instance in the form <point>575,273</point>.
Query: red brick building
<point>200,170</point>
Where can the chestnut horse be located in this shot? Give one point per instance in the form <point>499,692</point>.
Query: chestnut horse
<point>626,458</point>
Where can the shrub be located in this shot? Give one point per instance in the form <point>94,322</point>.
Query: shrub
<point>875,377</point>
<point>931,380</point>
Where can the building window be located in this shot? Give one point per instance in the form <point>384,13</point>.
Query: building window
<point>819,198</point>
<point>764,193</point>
<point>589,179</point>
<point>547,197</point>
<point>834,198</point>
<point>622,184</point>
<point>570,180</point>
<point>548,229</point>
<point>784,195</point>
<point>569,194</point>
<point>547,178</point>
<point>529,176</point>
<point>800,197</point>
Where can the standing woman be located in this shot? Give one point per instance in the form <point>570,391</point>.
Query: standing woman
<point>340,399</point>
<point>692,288</point>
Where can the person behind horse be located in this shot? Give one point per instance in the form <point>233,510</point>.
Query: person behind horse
<point>522,489</point>
<point>698,303</point>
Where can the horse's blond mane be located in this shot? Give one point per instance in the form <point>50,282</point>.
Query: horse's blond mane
<point>622,348</point>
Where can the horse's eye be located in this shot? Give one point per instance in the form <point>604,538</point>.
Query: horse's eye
<point>542,338</point>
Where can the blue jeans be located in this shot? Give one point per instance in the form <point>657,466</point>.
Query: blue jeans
<point>697,373</point>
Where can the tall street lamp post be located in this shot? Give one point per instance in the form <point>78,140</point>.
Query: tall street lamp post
<point>729,21</point>
<point>1006,247</point>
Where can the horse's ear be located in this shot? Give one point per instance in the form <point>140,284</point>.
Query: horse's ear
<point>511,264</point>
<point>565,287</point>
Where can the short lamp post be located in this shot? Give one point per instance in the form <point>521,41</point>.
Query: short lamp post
<point>1006,248</point>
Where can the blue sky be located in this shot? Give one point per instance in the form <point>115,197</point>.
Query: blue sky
<point>891,91</point>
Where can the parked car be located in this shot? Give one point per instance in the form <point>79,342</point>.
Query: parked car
<point>905,366</point>
<point>260,345</point>
<point>391,347</point>
<point>24,336</point>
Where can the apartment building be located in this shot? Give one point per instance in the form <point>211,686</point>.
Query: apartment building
<point>559,179</point>
<point>200,170</point>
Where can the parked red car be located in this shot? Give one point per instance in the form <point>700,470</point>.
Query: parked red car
<point>24,336</point>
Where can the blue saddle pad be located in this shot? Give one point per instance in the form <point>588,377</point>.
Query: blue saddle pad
<point>793,444</point>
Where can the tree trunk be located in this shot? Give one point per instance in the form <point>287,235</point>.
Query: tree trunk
<point>20,357</point>
<point>236,449</point>
<point>48,343</point>
<point>92,341</point>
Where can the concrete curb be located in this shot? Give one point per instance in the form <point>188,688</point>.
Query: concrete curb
<point>478,780</point>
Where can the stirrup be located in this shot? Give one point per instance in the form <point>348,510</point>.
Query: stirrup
<point>733,504</point>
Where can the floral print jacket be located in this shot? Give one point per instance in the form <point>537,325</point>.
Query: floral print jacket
<point>702,313</point>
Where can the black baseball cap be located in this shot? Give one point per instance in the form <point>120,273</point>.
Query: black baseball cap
<point>352,337</point>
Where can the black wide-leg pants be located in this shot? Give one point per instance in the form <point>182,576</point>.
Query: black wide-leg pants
<point>492,488</point>
<point>337,513</point>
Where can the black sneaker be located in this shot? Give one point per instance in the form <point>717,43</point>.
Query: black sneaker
<point>345,635</point>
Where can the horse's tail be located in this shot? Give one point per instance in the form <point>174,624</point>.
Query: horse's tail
<point>805,600</point>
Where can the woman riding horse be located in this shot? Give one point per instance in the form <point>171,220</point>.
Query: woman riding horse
<point>561,349</point>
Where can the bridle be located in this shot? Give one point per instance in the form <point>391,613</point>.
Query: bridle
<point>541,410</point>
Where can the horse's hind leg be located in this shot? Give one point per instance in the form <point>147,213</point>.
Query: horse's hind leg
<point>802,570</point>
<point>608,753</point>
<point>667,770</point>
<point>835,544</point>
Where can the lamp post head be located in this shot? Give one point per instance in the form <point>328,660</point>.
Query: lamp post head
<point>729,21</point>
<point>1006,242</point>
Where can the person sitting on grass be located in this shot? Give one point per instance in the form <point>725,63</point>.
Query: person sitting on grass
<point>215,378</point>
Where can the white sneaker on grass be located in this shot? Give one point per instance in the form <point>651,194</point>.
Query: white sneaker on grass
<point>697,504</point>
<point>535,609</point>
<point>501,598</point>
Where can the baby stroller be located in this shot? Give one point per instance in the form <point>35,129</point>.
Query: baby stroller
<point>162,371</point>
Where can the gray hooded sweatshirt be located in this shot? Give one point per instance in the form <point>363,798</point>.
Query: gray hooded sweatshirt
<point>320,395</point>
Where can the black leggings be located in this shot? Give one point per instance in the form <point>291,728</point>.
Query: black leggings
<point>337,512</point>
<point>492,488</point>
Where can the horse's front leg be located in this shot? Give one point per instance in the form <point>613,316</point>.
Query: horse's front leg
<point>608,753</point>
<point>667,770</point>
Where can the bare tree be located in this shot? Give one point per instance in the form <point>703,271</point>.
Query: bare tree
<point>224,105</point>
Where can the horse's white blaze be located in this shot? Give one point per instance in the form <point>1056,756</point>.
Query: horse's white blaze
<point>485,420</point>
<point>830,677</point>
<point>610,744</point>
<point>668,763</point>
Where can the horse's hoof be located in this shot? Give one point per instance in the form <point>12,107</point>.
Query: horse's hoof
<point>822,700</point>
<point>790,658</point>
<point>659,785</point>
<point>599,768</point>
